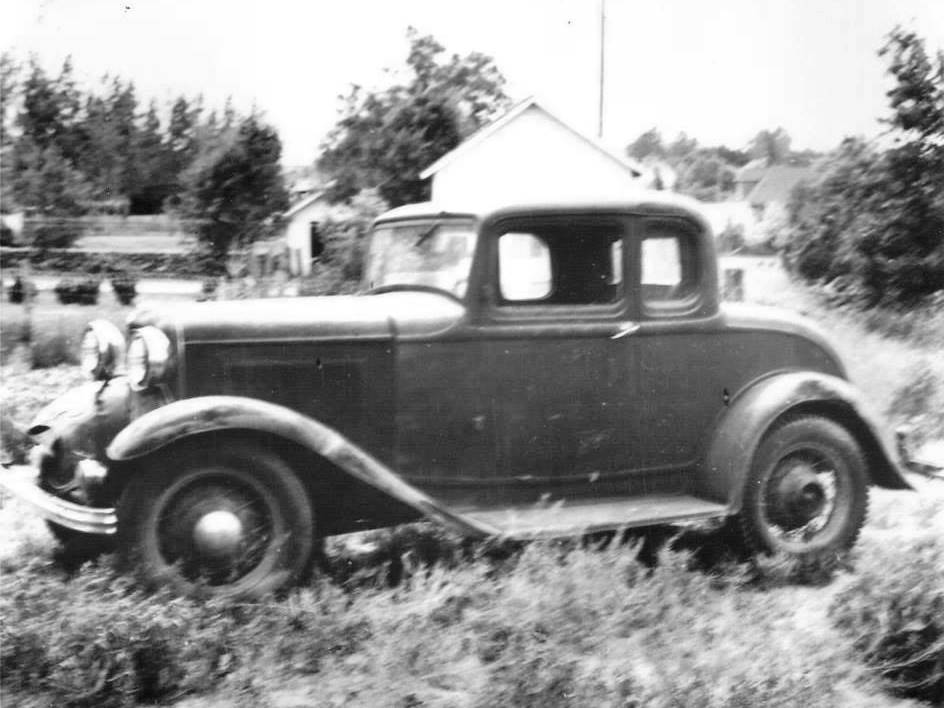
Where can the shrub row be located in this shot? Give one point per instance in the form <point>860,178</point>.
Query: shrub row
<point>79,291</point>
<point>63,260</point>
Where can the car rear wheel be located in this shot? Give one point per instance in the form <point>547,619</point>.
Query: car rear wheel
<point>807,492</point>
<point>230,520</point>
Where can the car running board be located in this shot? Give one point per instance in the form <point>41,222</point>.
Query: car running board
<point>562,518</point>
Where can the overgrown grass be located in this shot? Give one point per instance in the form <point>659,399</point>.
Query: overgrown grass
<point>893,612</point>
<point>551,625</point>
<point>23,391</point>
<point>894,357</point>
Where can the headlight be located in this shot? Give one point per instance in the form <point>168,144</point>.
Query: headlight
<point>101,350</point>
<point>148,357</point>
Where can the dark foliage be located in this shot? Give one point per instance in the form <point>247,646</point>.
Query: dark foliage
<point>71,150</point>
<point>871,226</point>
<point>78,291</point>
<point>234,187</point>
<point>20,289</point>
<point>125,287</point>
<point>63,261</point>
<point>384,139</point>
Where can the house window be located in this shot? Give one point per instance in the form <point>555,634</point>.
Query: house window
<point>314,235</point>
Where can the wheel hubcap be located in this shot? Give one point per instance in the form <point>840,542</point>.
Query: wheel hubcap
<point>216,529</point>
<point>218,535</point>
<point>801,496</point>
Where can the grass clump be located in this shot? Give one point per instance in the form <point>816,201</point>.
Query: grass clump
<point>894,614</point>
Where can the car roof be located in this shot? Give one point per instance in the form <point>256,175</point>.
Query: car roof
<point>649,202</point>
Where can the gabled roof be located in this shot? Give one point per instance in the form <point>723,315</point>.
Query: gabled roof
<point>299,205</point>
<point>777,183</point>
<point>487,131</point>
<point>753,171</point>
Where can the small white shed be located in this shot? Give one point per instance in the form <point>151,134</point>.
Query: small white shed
<point>530,154</point>
<point>302,235</point>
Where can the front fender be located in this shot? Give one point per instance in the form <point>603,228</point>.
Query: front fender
<point>194,416</point>
<point>85,419</point>
<point>754,411</point>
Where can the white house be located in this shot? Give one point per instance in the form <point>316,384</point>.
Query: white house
<point>530,154</point>
<point>302,237</point>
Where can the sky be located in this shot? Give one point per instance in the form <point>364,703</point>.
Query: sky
<point>720,70</point>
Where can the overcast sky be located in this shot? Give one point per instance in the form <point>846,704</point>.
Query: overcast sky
<point>720,70</point>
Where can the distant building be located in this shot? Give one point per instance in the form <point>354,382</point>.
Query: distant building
<point>530,154</point>
<point>302,235</point>
<point>764,187</point>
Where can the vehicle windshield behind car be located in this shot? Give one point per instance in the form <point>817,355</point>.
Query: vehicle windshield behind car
<point>433,253</point>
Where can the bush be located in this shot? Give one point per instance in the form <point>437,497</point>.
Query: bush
<point>125,287</point>
<point>894,615</point>
<point>6,235</point>
<point>54,234</point>
<point>82,291</point>
<point>731,239</point>
<point>20,289</point>
<point>871,223</point>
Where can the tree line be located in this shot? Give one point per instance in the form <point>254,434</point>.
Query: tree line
<point>69,151</point>
<point>708,172</point>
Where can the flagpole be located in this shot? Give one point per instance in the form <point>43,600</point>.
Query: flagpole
<point>602,65</point>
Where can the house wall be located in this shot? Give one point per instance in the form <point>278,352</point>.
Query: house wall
<point>532,158</point>
<point>297,236</point>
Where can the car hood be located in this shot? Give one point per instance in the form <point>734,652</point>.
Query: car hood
<point>336,317</point>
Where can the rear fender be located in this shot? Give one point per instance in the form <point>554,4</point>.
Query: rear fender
<point>759,408</point>
<point>195,416</point>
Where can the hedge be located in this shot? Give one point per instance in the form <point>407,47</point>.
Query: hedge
<point>69,261</point>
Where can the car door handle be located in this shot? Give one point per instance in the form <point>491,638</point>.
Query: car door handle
<point>625,329</point>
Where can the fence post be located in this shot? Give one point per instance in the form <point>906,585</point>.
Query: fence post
<point>733,284</point>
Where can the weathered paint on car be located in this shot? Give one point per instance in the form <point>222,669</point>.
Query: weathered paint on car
<point>614,399</point>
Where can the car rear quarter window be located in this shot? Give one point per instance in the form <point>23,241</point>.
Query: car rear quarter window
<point>669,273</point>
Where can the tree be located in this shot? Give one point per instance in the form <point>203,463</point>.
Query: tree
<point>156,182</point>
<point>649,144</point>
<point>871,224</point>
<point>705,175</point>
<point>771,146</point>
<point>384,139</point>
<point>234,187</point>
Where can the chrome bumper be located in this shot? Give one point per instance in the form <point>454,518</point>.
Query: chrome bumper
<point>21,485</point>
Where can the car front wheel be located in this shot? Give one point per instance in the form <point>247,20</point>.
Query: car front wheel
<point>807,491</point>
<point>228,520</point>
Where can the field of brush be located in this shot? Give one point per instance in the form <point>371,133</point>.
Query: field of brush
<point>416,617</point>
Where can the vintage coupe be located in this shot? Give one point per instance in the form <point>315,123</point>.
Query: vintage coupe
<point>529,371</point>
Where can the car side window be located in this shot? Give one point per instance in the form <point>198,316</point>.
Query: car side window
<point>524,267</point>
<point>567,263</point>
<point>667,269</point>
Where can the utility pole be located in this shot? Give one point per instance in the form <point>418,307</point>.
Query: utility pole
<point>602,65</point>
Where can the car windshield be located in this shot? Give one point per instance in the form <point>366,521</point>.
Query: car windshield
<point>433,253</point>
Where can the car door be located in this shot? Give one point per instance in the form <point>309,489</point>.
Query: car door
<point>676,344</point>
<point>557,340</point>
